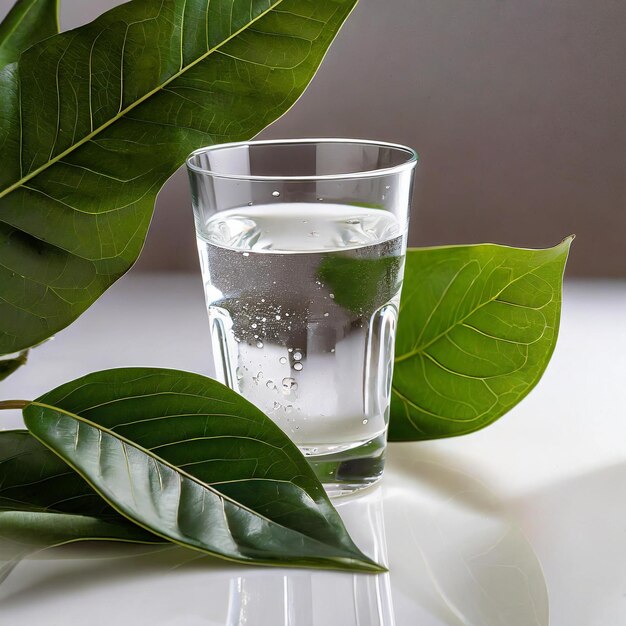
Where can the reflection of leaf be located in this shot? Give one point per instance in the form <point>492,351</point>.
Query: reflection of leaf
<point>28,22</point>
<point>44,503</point>
<point>192,461</point>
<point>478,325</point>
<point>8,366</point>
<point>94,121</point>
<point>461,557</point>
<point>361,285</point>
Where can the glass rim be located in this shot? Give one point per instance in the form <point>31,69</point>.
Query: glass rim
<point>411,161</point>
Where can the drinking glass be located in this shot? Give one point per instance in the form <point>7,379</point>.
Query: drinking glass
<point>302,246</point>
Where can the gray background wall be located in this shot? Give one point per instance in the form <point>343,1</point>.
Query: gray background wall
<point>517,108</point>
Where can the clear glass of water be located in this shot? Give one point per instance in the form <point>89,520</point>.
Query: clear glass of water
<point>302,246</point>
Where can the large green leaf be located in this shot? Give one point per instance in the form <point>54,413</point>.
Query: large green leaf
<point>192,461</point>
<point>477,327</point>
<point>93,121</point>
<point>28,22</point>
<point>44,503</point>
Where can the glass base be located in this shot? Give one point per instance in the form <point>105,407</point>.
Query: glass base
<point>349,470</point>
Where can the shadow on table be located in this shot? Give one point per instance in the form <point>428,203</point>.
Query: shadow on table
<point>462,559</point>
<point>581,523</point>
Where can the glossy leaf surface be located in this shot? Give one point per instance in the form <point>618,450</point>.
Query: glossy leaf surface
<point>192,461</point>
<point>93,121</point>
<point>477,327</point>
<point>28,22</point>
<point>44,503</point>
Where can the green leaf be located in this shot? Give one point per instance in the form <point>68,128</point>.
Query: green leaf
<point>477,327</point>
<point>93,121</point>
<point>192,461</point>
<point>8,366</point>
<point>44,503</point>
<point>28,22</point>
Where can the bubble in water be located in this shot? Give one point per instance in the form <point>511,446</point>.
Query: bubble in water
<point>246,254</point>
<point>289,385</point>
<point>387,186</point>
<point>250,203</point>
<point>314,233</point>
<point>277,317</point>
<point>239,373</point>
<point>276,194</point>
<point>289,349</point>
<point>270,384</point>
<point>276,406</point>
<point>325,314</point>
<point>256,336</point>
<point>253,325</point>
<point>283,360</point>
<point>286,314</point>
<point>264,319</point>
<point>320,199</point>
<point>332,349</point>
<point>365,421</point>
<point>297,356</point>
<point>332,295</point>
<point>259,344</point>
<point>262,299</point>
<point>297,366</point>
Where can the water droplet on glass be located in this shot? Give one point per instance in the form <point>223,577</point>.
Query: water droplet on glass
<point>253,325</point>
<point>314,233</point>
<point>320,199</point>
<point>286,314</point>
<point>276,406</point>
<point>277,317</point>
<point>289,349</point>
<point>297,356</point>
<point>264,319</point>
<point>256,336</point>
<point>259,344</point>
<point>297,366</point>
<point>276,194</point>
<point>365,421</point>
<point>332,349</point>
<point>326,314</point>
<point>246,254</point>
<point>262,299</point>
<point>289,385</point>
<point>283,360</point>
<point>239,373</point>
<point>249,203</point>
<point>270,384</point>
<point>387,186</point>
<point>332,295</point>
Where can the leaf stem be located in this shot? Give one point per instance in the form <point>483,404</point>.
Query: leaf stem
<point>13,404</point>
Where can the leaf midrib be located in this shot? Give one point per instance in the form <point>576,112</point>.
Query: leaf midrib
<point>177,469</point>
<point>133,105</point>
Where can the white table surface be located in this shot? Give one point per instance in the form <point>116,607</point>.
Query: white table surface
<point>466,524</point>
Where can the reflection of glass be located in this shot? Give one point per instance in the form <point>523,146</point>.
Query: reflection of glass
<point>302,249</point>
<point>316,598</point>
